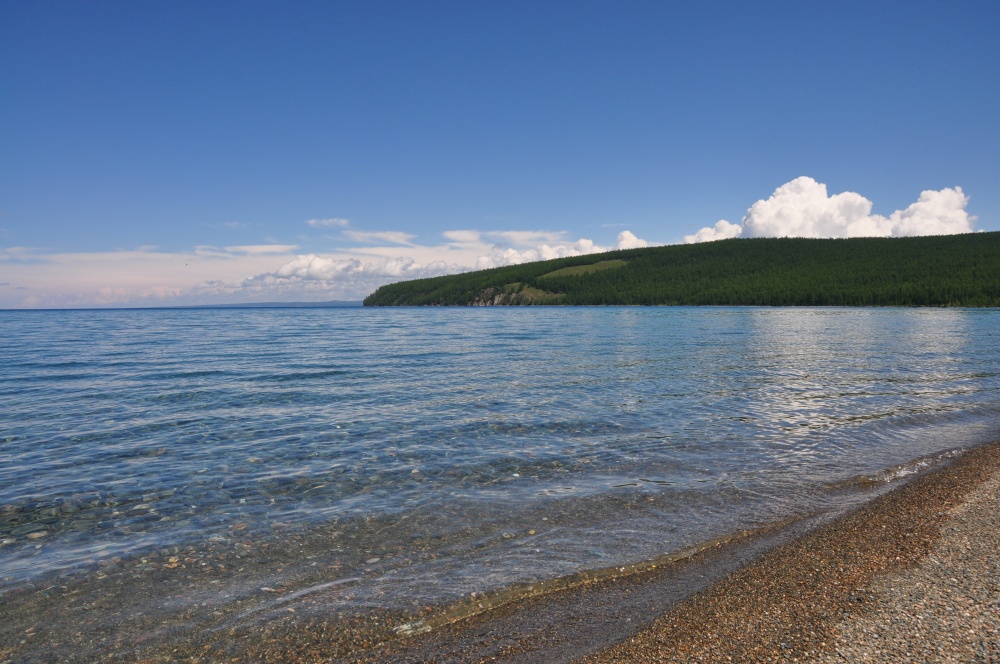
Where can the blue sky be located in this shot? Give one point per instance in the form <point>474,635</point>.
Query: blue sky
<point>181,152</point>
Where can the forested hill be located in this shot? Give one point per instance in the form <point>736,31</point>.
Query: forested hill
<point>946,270</point>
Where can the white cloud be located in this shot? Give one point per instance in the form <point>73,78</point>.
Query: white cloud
<point>394,237</point>
<point>802,208</point>
<point>510,256</point>
<point>628,240</point>
<point>723,230</point>
<point>357,272</point>
<point>332,222</point>
<point>316,277</point>
<point>934,213</point>
<point>208,274</point>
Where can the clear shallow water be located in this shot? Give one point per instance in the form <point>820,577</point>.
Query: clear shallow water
<point>462,450</point>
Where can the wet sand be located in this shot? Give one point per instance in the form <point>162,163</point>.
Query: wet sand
<point>908,576</point>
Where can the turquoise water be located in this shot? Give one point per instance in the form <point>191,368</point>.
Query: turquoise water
<point>501,445</point>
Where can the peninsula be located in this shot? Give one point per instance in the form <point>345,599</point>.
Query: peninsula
<point>945,270</point>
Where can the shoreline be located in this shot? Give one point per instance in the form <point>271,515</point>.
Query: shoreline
<point>773,597</point>
<point>838,593</point>
<point>776,597</point>
<point>780,594</point>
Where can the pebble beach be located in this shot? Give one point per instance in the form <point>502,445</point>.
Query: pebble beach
<point>912,577</point>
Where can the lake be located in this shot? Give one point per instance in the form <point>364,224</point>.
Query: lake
<point>406,457</point>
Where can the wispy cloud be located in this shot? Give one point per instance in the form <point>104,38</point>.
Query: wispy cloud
<point>126,278</point>
<point>260,249</point>
<point>21,255</point>
<point>332,222</point>
<point>204,250</point>
<point>463,237</point>
<point>313,276</point>
<point>526,238</point>
<point>394,237</point>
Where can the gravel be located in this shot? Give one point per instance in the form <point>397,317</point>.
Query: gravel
<point>913,576</point>
<point>947,607</point>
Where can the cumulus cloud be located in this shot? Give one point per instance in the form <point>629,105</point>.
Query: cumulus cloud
<point>628,240</point>
<point>934,213</point>
<point>722,230</point>
<point>333,222</point>
<point>322,268</point>
<point>543,252</point>
<point>803,208</point>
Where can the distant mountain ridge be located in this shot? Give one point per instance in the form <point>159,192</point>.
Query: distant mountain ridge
<point>945,270</point>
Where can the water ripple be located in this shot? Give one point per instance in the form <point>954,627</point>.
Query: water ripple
<point>634,429</point>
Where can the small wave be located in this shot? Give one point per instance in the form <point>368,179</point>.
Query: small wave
<point>895,473</point>
<point>478,603</point>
